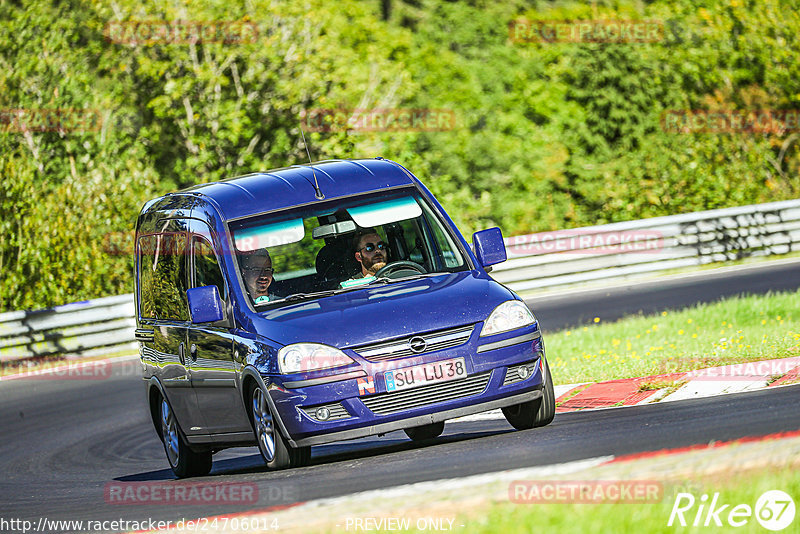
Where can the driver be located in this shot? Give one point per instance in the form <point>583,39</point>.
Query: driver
<point>371,253</point>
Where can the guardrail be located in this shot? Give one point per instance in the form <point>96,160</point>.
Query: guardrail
<point>643,247</point>
<point>100,326</point>
<point>616,251</point>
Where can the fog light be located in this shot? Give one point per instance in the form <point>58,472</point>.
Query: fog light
<point>523,372</point>
<point>322,413</point>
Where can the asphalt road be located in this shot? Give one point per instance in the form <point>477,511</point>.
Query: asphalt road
<point>66,442</point>
<point>557,311</point>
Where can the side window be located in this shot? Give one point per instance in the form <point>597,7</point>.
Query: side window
<point>206,266</point>
<point>444,242</point>
<point>162,276</point>
<point>412,242</point>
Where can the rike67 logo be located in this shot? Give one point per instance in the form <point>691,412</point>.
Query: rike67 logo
<point>774,510</point>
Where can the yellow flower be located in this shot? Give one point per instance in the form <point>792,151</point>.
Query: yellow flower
<point>597,319</point>
<point>694,336</point>
<point>663,314</point>
<point>680,332</point>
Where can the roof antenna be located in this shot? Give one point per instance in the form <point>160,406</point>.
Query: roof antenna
<point>317,192</point>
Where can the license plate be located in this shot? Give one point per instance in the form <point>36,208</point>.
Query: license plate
<point>428,373</point>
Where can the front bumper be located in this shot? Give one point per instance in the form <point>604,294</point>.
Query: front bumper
<point>357,410</point>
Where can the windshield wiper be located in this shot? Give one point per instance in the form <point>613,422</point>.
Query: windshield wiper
<point>387,280</point>
<point>294,297</point>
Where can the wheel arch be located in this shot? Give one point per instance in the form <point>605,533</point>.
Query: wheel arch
<point>155,391</point>
<point>251,378</point>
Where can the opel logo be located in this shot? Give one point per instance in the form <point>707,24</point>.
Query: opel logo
<point>417,344</point>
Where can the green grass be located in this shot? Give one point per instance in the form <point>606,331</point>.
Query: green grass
<point>511,518</point>
<point>735,330</point>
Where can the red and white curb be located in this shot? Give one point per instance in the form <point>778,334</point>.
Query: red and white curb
<point>707,382</point>
<point>737,378</point>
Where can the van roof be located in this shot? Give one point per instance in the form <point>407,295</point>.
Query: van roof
<point>260,192</point>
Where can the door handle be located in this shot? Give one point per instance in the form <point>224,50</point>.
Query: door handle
<point>182,353</point>
<point>193,352</point>
<point>143,334</point>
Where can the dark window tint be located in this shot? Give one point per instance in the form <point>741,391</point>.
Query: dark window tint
<point>206,266</point>
<point>162,276</point>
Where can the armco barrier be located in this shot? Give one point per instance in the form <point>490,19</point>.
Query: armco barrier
<point>635,248</point>
<point>550,259</point>
<point>99,326</point>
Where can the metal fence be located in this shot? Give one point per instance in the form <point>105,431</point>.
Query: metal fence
<point>616,251</point>
<point>100,326</point>
<point>631,249</point>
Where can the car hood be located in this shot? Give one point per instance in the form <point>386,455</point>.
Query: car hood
<point>384,311</point>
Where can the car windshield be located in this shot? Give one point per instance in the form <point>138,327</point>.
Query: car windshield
<point>340,246</point>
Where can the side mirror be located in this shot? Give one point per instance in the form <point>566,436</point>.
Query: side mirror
<point>205,304</point>
<point>489,246</point>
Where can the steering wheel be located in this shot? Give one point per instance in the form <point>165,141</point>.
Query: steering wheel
<point>399,266</point>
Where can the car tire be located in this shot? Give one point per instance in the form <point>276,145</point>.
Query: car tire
<point>424,432</point>
<point>535,413</point>
<point>275,450</point>
<point>182,459</point>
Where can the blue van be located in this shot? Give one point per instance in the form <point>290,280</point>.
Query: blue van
<point>324,302</point>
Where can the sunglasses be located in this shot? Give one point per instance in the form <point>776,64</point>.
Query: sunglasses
<point>370,247</point>
<point>259,270</point>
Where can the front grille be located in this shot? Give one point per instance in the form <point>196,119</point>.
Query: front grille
<point>389,403</point>
<point>512,373</point>
<point>401,348</point>
<point>337,412</point>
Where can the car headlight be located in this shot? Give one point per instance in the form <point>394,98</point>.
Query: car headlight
<point>508,316</point>
<point>301,357</point>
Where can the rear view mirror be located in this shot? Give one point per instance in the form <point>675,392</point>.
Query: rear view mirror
<point>205,304</point>
<point>489,246</point>
<point>333,230</point>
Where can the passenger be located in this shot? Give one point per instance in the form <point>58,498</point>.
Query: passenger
<point>257,272</point>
